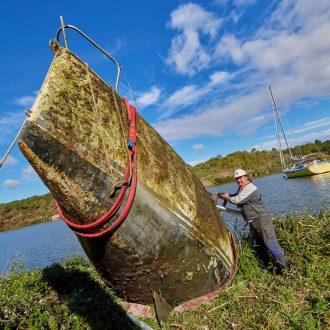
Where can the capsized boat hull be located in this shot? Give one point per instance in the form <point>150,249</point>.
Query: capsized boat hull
<point>173,240</point>
<point>317,168</point>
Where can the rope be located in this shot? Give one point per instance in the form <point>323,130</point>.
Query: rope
<point>94,229</point>
<point>129,87</point>
<point>13,143</point>
<point>120,183</point>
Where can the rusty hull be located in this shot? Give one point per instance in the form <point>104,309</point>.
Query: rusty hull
<point>174,240</point>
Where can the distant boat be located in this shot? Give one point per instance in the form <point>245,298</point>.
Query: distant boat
<point>300,166</point>
<point>173,242</point>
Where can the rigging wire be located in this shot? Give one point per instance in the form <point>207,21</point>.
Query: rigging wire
<point>287,124</point>
<point>15,139</point>
<point>129,87</point>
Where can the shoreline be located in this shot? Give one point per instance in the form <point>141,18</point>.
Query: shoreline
<point>231,180</point>
<point>71,293</point>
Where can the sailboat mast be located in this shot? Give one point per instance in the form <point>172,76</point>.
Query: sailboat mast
<point>280,121</point>
<point>279,145</point>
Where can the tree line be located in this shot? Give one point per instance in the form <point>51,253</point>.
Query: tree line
<point>26,212</point>
<point>220,169</point>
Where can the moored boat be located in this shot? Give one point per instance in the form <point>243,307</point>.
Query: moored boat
<point>306,168</point>
<point>172,239</point>
<point>302,166</point>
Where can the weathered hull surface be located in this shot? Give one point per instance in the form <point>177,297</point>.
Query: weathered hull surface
<point>173,240</point>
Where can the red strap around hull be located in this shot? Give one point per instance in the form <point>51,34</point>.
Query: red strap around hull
<point>94,229</point>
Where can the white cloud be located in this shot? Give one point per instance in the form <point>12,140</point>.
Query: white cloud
<point>218,77</point>
<point>183,96</point>
<point>187,54</point>
<point>149,98</point>
<point>198,146</point>
<point>217,119</point>
<point>26,101</point>
<point>12,184</point>
<point>312,125</point>
<point>258,118</point>
<point>320,135</point>
<point>229,47</point>
<point>9,124</point>
<point>11,119</point>
<point>292,50</point>
<point>298,50</point>
<point>10,161</point>
<point>303,13</point>
<point>28,173</point>
<point>192,94</point>
<point>238,10</point>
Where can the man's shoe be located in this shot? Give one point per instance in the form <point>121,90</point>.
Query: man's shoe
<point>285,264</point>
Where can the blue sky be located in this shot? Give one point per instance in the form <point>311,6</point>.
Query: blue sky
<point>200,70</point>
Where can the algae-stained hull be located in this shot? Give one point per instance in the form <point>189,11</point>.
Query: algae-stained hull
<point>173,240</point>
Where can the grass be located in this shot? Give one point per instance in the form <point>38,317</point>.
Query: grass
<point>71,295</point>
<point>68,295</point>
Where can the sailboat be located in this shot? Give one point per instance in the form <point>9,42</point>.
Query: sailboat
<point>301,166</point>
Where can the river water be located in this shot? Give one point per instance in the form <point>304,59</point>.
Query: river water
<point>37,246</point>
<point>289,196</point>
<point>41,245</point>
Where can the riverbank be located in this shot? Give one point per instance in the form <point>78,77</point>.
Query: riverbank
<point>72,295</point>
<point>219,170</point>
<point>27,212</point>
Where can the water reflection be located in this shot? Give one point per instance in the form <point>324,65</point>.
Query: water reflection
<point>37,246</point>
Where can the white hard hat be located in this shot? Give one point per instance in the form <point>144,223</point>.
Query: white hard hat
<point>239,173</point>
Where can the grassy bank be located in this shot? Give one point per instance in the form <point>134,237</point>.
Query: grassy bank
<point>71,295</point>
<point>262,299</point>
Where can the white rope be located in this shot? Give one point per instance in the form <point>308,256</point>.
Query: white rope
<point>13,143</point>
<point>130,88</point>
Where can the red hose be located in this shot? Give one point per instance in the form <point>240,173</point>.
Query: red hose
<point>93,229</point>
